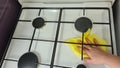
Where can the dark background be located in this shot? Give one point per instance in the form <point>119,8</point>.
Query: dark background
<point>9,13</point>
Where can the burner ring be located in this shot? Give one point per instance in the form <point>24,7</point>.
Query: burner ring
<point>38,22</point>
<point>82,24</point>
<point>81,66</point>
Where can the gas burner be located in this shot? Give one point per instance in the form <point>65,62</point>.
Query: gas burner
<point>82,24</point>
<point>81,66</point>
<point>38,22</point>
<point>28,60</point>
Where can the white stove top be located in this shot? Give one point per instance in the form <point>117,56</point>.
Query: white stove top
<point>44,38</point>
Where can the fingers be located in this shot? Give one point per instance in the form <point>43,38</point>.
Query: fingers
<point>87,47</point>
<point>88,41</point>
<point>79,41</point>
<point>79,47</point>
<point>88,50</point>
<point>87,60</point>
<point>95,41</point>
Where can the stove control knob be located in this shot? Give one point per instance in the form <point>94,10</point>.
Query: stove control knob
<point>81,66</point>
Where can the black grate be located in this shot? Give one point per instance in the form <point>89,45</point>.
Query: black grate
<point>56,41</point>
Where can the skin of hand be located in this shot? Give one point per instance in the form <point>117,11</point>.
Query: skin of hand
<point>98,56</point>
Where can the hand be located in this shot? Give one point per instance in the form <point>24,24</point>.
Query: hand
<point>97,56</point>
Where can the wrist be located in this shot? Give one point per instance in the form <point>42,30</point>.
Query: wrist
<point>108,59</point>
<point>112,61</point>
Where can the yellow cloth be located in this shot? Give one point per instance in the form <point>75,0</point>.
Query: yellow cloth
<point>91,37</point>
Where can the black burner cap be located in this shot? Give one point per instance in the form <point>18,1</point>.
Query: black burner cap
<point>28,60</point>
<point>82,24</point>
<point>81,66</point>
<point>38,22</point>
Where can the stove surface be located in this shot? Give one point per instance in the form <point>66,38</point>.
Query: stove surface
<point>48,41</point>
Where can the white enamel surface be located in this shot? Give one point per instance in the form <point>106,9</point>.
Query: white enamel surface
<point>102,31</point>
<point>17,49</point>
<point>71,15</point>
<point>65,57</point>
<point>24,30</point>
<point>113,33</point>
<point>109,50</point>
<point>88,4</point>
<point>29,14</point>
<point>50,14</point>
<point>96,66</point>
<point>43,50</point>
<point>48,32</point>
<point>101,16</point>
<point>42,66</point>
<point>9,64</point>
<point>62,1</point>
<point>68,31</point>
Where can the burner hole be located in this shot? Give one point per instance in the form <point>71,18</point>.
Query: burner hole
<point>38,22</point>
<point>82,24</point>
<point>81,66</point>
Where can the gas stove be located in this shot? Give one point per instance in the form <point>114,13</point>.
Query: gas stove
<point>48,41</point>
